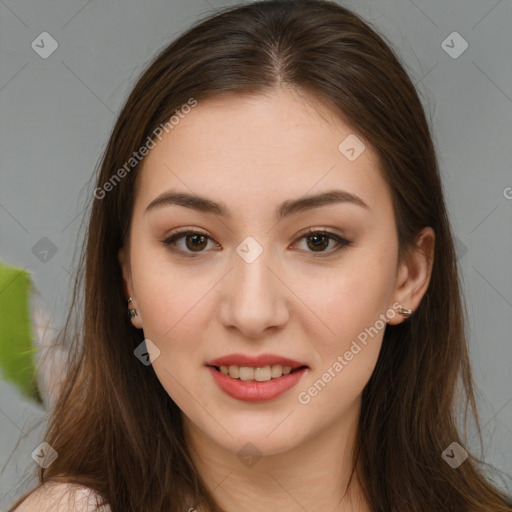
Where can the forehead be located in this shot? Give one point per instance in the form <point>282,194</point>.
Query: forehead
<point>269,147</point>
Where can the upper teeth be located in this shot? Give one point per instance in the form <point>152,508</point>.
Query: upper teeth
<point>261,373</point>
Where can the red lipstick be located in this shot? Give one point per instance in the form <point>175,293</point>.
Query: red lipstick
<point>253,390</point>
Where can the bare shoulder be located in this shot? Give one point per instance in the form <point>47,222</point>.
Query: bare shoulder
<point>61,497</point>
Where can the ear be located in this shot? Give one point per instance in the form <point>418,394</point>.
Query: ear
<point>414,273</point>
<point>124,262</point>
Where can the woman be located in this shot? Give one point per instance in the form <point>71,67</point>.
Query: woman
<point>270,215</point>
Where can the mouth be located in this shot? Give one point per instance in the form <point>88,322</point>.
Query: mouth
<point>262,383</point>
<point>257,373</point>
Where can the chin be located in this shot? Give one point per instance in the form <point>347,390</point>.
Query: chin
<point>271,438</point>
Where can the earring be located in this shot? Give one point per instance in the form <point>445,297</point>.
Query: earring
<point>404,311</point>
<point>131,312</point>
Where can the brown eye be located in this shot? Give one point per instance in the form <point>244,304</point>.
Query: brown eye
<point>318,242</point>
<point>195,242</point>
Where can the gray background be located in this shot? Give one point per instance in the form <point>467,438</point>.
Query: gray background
<point>57,113</point>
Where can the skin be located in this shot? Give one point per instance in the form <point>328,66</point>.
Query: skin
<point>253,153</point>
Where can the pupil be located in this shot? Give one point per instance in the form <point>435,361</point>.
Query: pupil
<point>319,239</point>
<point>195,243</point>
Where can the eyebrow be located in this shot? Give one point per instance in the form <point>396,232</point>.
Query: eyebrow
<point>287,208</point>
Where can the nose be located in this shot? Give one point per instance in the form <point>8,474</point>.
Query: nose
<point>254,297</point>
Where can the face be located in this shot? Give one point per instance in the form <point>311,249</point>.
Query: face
<point>302,284</point>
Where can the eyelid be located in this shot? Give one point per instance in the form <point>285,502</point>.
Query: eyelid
<point>320,229</point>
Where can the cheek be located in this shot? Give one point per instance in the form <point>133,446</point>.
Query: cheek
<point>171,310</point>
<point>347,300</point>
<point>174,316</point>
<point>347,343</point>
<point>174,308</point>
<point>162,292</point>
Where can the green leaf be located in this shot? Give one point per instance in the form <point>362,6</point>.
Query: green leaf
<point>17,351</point>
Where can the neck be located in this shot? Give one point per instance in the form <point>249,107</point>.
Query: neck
<point>315,475</point>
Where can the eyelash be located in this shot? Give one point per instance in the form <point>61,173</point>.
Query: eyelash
<point>169,241</point>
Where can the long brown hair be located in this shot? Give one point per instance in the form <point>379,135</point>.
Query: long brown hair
<point>114,426</point>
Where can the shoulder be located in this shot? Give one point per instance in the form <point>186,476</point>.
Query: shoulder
<point>61,497</point>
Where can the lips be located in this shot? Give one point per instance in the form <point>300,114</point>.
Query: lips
<point>255,361</point>
<point>255,383</point>
<point>254,391</point>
